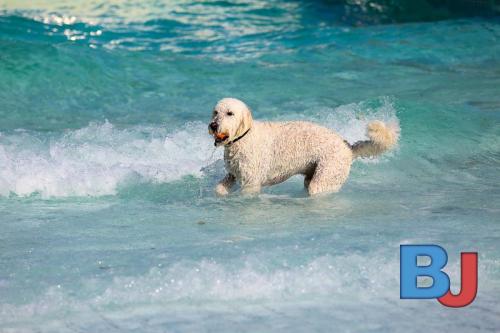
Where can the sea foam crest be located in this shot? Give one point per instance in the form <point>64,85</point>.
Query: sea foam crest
<point>325,276</point>
<point>351,120</point>
<point>97,159</point>
<point>341,283</point>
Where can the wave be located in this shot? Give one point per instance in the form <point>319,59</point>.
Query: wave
<point>254,16</point>
<point>176,290</point>
<point>342,283</point>
<point>222,30</point>
<point>98,159</point>
<point>178,27</point>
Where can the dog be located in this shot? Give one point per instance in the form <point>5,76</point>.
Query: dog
<point>258,154</point>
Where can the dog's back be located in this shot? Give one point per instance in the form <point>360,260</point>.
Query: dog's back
<point>295,147</point>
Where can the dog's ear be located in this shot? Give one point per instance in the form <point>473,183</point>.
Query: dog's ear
<point>246,122</point>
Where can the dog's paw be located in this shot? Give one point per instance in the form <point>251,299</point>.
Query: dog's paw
<point>221,190</point>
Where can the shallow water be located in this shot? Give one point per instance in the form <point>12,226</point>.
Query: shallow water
<point>108,218</point>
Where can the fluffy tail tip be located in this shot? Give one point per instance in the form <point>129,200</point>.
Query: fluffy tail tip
<point>384,135</point>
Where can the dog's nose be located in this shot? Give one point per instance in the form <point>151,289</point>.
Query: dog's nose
<point>213,126</point>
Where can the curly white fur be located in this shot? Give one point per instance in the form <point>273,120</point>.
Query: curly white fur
<point>258,154</point>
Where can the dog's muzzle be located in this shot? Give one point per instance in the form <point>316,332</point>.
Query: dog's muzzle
<point>219,138</point>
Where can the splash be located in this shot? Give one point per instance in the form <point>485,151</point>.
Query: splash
<point>351,120</point>
<point>97,159</point>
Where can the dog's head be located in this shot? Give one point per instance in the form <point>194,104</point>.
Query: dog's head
<point>231,119</point>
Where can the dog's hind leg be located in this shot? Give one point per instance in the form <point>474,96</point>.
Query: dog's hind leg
<point>329,176</point>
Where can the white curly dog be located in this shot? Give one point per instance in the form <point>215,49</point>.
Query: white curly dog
<point>259,154</point>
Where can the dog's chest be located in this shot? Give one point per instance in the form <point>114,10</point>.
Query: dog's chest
<point>232,162</point>
<point>236,162</point>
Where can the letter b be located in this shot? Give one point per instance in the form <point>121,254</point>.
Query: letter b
<point>410,270</point>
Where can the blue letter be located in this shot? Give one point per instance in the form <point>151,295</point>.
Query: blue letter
<point>410,271</point>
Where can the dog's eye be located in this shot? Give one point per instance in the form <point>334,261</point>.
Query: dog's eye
<point>230,113</point>
<point>214,113</point>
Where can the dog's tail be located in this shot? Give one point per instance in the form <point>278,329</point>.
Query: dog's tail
<point>382,138</point>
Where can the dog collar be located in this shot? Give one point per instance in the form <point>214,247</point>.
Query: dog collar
<point>239,138</point>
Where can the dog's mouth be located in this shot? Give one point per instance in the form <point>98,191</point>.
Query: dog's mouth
<point>220,138</point>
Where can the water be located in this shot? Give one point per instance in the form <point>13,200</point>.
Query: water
<point>108,219</point>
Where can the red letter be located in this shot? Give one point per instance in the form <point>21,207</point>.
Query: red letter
<point>468,286</point>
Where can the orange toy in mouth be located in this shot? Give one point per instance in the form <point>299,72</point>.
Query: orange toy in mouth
<point>221,136</point>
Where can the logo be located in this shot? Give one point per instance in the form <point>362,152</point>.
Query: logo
<point>411,270</point>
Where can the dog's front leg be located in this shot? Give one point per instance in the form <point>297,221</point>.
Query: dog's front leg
<point>225,185</point>
<point>250,188</point>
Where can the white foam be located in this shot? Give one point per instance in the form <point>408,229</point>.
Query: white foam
<point>97,159</point>
<point>351,120</point>
<point>338,284</point>
<point>327,277</point>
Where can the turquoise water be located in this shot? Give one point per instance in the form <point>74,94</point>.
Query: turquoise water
<point>108,220</point>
